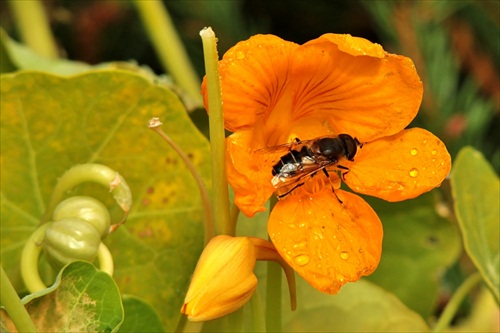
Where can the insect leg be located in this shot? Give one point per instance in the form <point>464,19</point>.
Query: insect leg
<point>331,184</point>
<point>281,196</point>
<point>343,173</point>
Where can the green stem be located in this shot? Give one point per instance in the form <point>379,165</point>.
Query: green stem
<point>235,213</point>
<point>31,254</point>
<point>205,197</point>
<point>273,290</point>
<point>34,27</point>
<point>29,260</point>
<point>14,306</point>
<point>91,172</point>
<point>217,134</point>
<point>105,259</point>
<point>258,319</point>
<point>273,298</point>
<point>169,47</point>
<point>451,308</point>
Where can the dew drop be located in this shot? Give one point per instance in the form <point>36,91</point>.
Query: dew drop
<point>301,259</point>
<point>240,55</point>
<point>434,152</point>
<point>413,152</point>
<point>413,173</point>
<point>344,255</point>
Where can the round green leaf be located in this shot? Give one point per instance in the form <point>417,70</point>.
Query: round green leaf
<point>358,307</point>
<point>476,190</point>
<point>51,123</point>
<point>139,316</point>
<point>418,247</point>
<point>83,299</point>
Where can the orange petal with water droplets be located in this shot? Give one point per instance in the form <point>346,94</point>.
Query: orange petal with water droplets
<point>247,174</point>
<point>401,166</point>
<point>326,242</point>
<point>252,74</point>
<point>355,46</point>
<point>364,96</point>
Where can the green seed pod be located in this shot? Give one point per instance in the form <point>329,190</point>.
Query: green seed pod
<point>70,240</point>
<point>86,208</point>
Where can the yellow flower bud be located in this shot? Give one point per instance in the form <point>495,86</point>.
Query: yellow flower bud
<point>223,280</point>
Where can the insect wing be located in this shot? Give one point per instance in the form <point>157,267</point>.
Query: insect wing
<point>285,185</point>
<point>275,153</point>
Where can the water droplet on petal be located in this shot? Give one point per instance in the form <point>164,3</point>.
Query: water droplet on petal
<point>434,152</point>
<point>344,255</point>
<point>301,259</point>
<point>413,172</point>
<point>414,152</point>
<point>240,55</point>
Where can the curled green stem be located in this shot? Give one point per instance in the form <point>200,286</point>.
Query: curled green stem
<point>217,134</point>
<point>105,259</point>
<point>155,124</point>
<point>31,254</point>
<point>96,173</point>
<point>29,260</point>
<point>14,306</point>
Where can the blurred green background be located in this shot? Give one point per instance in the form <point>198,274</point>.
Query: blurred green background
<point>455,46</point>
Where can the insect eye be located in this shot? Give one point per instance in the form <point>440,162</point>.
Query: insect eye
<point>350,146</point>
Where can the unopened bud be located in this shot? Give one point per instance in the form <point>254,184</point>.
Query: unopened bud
<point>223,280</point>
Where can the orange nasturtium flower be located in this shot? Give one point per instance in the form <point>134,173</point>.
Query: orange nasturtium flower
<point>274,91</point>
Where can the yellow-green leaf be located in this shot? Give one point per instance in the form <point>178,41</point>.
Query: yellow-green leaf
<point>358,307</point>
<point>418,247</point>
<point>50,123</point>
<point>476,191</point>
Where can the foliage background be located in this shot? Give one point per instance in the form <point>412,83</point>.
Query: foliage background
<point>455,46</point>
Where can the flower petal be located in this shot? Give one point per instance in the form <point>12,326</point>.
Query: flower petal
<point>223,280</point>
<point>326,242</point>
<point>252,72</point>
<point>248,173</point>
<point>401,166</point>
<point>355,46</point>
<point>365,96</point>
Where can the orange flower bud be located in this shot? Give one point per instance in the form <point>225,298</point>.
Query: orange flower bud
<point>223,280</point>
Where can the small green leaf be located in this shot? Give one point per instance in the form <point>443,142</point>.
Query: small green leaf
<point>83,299</point>
<point>476,189</point>
<point>358,307</point>
<point>22,57</point>
<point>139,316</point>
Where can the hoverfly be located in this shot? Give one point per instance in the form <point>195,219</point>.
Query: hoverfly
<point>305,159</point>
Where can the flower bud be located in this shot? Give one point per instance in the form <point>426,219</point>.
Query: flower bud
<point>69,240</point>
<point>87,209</point>
<point>223,280</point>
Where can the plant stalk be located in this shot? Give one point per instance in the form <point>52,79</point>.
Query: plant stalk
<point>169,47</point>
<point>14,306</point>
<point>205,197</point>
<point>34,28</point>
<point>217,134</point>
<point>451,308</point>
